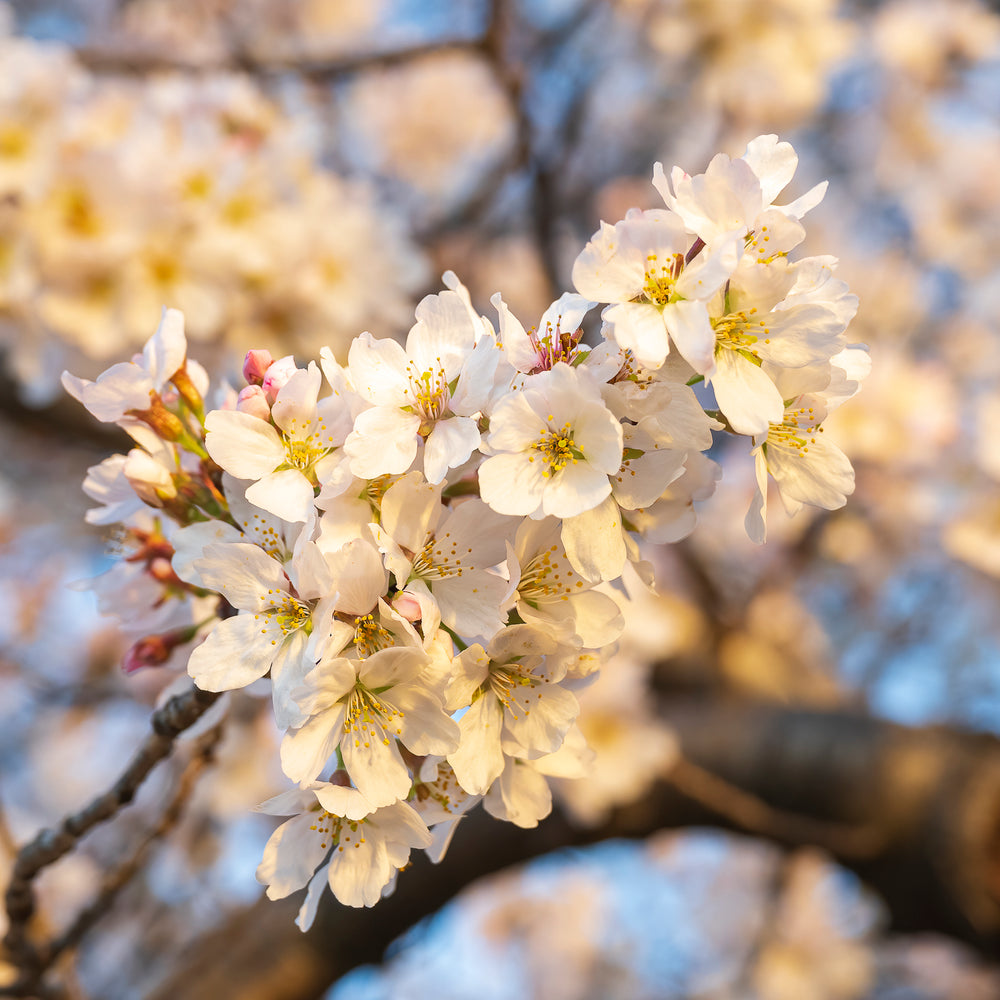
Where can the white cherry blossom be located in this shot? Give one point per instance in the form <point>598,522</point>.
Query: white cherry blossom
<point>647,266</point>
<point>552,447</point>
<point>287,457</point>
<point>428,395</point>
<point>442,556</point>
<point>732,195</point>
<point>282,612</point>
<point>130,384</point>
<point>362,706</point>
<point>807,467</point>
<point>515,704</point>
<point>356,857</point>
<point>549,593</point>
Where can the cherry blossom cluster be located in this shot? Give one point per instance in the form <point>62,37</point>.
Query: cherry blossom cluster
<point>118,194</point>
<point>418,548</point>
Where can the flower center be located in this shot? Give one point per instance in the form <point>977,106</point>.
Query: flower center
<point>440,557</point>
<point>660,279</point>
<point>797,431</point>
<point>290,615</point>
<point>370,636</point>
<point>557,449</point>
<point>738,331</point>
<point>444,790</point>
<point>548,576</point>
<point>335,831</point>
<point>306,442</point>
<point>369,718</point>
<point>505,680</point>
<point>429,391</point>
<point>266,536</point>
<point>302,453</point>
<point>553,347</point>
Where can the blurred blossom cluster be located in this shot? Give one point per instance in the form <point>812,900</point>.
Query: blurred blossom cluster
<point>749,60</point>
<point>120,195</point>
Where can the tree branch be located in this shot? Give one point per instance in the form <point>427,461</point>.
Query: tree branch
<point>168,722</point>
<point>116,880</point>
<point>914,811</point>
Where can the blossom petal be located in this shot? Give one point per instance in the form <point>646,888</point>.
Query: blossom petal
<point>231,656</point>
<point>396,433</point>
<point>450,443</point>
<point>291,856</point>
<point>244,445</point>
<point>594,542</point>
<point>286,494</point>
<point>746,394</point>
<point>479,761</point>
<point>305,750</point>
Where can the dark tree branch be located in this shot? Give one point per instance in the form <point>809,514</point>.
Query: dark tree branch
<point>168,722</point>
<point>142,61</point>
<point>116,880</point>
<point>914,811</point>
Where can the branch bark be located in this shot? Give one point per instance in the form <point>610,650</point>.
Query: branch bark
<point>916,812</point>
<point>33,958</point>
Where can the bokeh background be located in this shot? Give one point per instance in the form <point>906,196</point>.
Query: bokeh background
<point>292,173</point>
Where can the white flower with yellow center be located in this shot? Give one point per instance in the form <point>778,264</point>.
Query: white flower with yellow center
<point>515,704</point>
<point>732,197</point>
<point>649,268</point>
<point>441,556</point>
<point>772,318</point>
<point>552,595</point>
<point>357,851</point>
<point>552,447</point>
<point>808,468</point>
<point>131,385</point>
<point>428,396</point>
<point>557,337</point>
<point>286,457</point>
<point>363,706</point>
<point>281,616</point>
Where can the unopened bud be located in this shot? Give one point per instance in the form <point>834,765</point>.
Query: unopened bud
<point>155,650</point>
<point>162,571</point>
<point>277,375</point>
<point>187,390</point>
<point>168,425</point>
<point>407,606</point>
<point>253,400</point>
<point>255,366</point>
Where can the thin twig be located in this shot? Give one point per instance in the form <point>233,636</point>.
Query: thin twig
<point>168,722</point>
<point>105,59</point>
<point>116,880</point>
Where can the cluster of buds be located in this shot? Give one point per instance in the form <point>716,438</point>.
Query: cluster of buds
<point>418,548</point>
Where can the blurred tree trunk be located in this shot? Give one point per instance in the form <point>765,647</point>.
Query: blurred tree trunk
<point>915,812</point>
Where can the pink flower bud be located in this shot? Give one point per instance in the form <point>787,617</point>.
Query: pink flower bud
<point>255,366</point>
<point>162,571</point>
<point>253,400</point>
<point>149,652</point>
<point>277,375</point>
<point>407,606</point>
<point>155,650</point>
